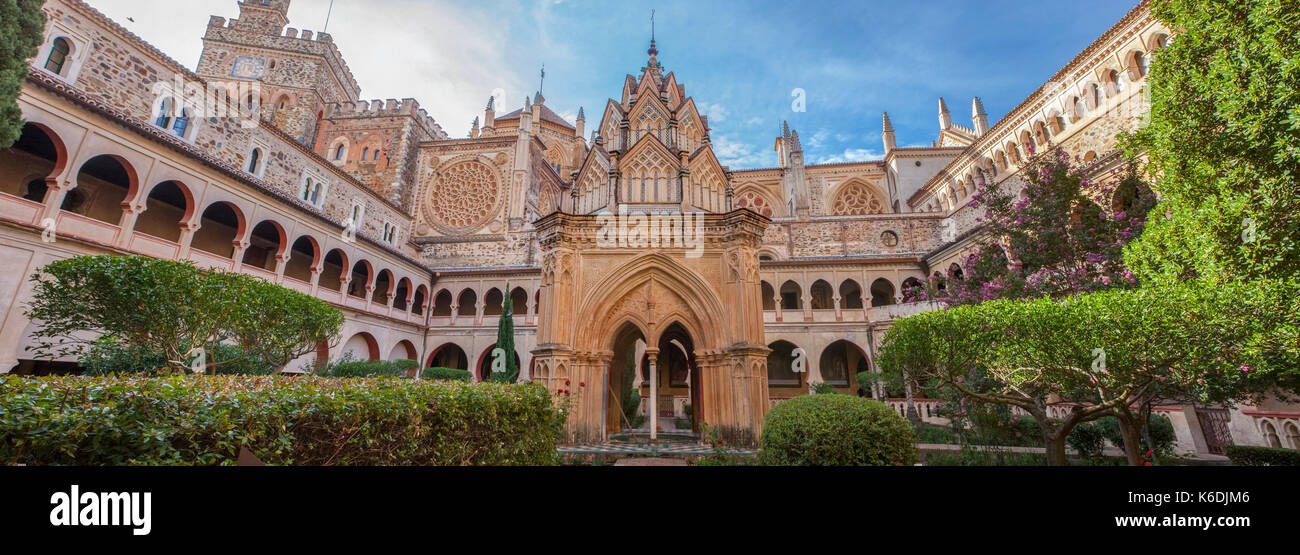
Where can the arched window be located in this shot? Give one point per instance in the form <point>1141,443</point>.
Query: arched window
<point>302,256</point>
<point>338,151</point>
<point>442,303</point>
<point>182,124</point>
<point>165,112</point>
<point>360,279</point>
<point>1114,83</point>
<point>882,292</point>
<point>1092,95</point>
<point>780,365</point>
<point>822,296</point>
<point>254,160</point>
<point>365,153</point>
<point>850,294</point>
<point>166,207</point>
<point>1138,64</point>
<point>58,56</point>
<point>913,290</point>
<point>467,303</point>
<point>219,226</point>
<point>493,302</point>
<point>331,273</point>
<point>791,296</point>
<point>264,246</point>
<point>519,301</point>
<point>841,361</point>
<point>769,296</point>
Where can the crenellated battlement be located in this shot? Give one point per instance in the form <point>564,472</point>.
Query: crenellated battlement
<point>218,22</point>
<point>407,107</point>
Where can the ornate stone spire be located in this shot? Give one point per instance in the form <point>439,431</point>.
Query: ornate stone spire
<point>979,117</point>
<point>887,135</point>
<point>945,118</point>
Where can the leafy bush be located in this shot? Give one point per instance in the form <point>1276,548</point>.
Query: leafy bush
<point>823,388</point>
<point>205,420</point>
<point>929,433</point>
<point>363,369</point>
<point>439,373</point>
<point>108,356</point>
<point>1089,439</point>
<point>1243,455</point>
<point>167,307</point>
<point>817,430</point>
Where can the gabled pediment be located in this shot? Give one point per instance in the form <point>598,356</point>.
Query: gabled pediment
<point>649,149</point>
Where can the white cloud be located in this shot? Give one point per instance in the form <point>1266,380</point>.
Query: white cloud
<point>740,155</point>
<point>851,155</point>
<point>715,112</point>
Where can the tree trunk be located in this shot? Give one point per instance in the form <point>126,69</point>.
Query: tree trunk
<point>1056,450</point>
<point>1130,428</point>
<point>1053,437</point>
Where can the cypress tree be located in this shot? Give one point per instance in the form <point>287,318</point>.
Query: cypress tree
<point>21,25</point>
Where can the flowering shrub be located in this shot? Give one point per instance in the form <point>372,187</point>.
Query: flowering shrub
<point>1064,234</point>
<point>836,430</point>
<point>205,420</point>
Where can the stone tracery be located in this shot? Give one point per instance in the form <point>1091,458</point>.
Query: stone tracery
<point>464,197</point>
<point>856,200</point>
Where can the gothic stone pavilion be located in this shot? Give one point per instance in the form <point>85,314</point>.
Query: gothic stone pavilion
<point>121,155</point>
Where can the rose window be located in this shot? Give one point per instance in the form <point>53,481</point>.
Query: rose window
<point>463,197</point>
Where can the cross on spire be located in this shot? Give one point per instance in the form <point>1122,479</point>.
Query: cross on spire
<point>653,51</point>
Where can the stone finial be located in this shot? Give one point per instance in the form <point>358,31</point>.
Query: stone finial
<point>945,117</point>
<point>887,134</point>
<point>979,117</point>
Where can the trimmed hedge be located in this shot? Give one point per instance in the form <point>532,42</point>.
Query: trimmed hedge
<point>1244,455</point>
<point>836,430</point>
<point>205,420</point>
<point>439,373</point>
<point>363,369</point>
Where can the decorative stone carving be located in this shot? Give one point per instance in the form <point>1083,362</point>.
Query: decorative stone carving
<point>464,197</point>
<point>856,199</point>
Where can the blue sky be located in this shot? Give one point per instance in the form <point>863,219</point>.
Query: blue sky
<point>740,60</point>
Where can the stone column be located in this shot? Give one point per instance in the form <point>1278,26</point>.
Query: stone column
<point>653,355</point>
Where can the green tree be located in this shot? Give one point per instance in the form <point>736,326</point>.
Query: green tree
<point>21,25</point>
<point>506,340</point>
<point>1103,352</point>
<point>274,324</point>
<point>172,308</point>
<point>1224,143</point>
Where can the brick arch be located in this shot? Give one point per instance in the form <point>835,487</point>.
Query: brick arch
<point>372,345</point>
<point>446,347</point>
<point>405,347</point>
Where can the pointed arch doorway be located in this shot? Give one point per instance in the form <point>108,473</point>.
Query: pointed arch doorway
<point>655,389</point>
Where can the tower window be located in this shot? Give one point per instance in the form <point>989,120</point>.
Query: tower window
<point>254,159</point>
<point>58,55</point>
